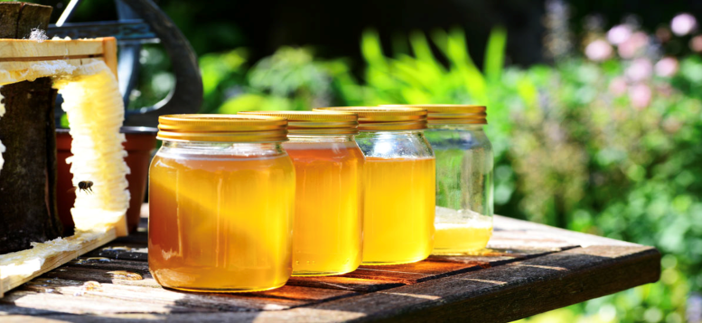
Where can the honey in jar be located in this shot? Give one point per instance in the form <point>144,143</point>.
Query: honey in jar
<point>399,184</point>
<point>221,198</point>
<point>464,190</point>
<point>328,232</point>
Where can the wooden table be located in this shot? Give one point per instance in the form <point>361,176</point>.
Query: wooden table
<point>531,269</point>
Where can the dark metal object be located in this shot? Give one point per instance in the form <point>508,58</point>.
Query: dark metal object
<point>131,31</point>
<point>126,31</point>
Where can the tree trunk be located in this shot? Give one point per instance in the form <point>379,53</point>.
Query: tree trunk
<point>28,178</point>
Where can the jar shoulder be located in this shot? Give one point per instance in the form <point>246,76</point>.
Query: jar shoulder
<point>405,144</point>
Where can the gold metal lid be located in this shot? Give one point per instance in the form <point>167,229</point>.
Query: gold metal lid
<point>315,122</point>
<point>451,113</point>
<point>221,128</point>
<point>386,118</point>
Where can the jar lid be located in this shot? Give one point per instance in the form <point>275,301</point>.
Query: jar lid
<point>221,128</point>
<point>315,122</point>
<point>386,118</point>
<point>451,113</point>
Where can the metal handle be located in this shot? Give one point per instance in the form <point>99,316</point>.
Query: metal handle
<point>187,95</point>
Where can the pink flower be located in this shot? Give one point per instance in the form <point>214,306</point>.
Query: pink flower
<point>640,96</point>
<point>639,70</point>
<point>598,50</point>
<point>635,43</point>
<point>667,67</point>
<point>618,86</point>
<point>618,34</point>
<point>696,43</point>
<point>683,24</point>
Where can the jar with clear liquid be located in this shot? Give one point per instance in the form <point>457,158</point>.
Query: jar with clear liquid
<point>399,184</point>
<point>464,183</point>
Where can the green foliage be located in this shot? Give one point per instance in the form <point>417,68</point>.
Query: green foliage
<point>575,144</point>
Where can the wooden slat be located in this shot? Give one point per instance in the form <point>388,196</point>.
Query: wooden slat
<point>303,293</point>
<point>414,273</point>
<point>81,304</point>
<point>109,54</point>
<point>345,283</point>
<point>123,251</point>
<point>9,281</point>
<point>32,50</point>
<point>159,296</point>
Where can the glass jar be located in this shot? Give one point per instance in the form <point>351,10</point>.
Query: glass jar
<point>399,185</point>
<point>221,201</point>
<point>464,187</point>
<point>328,231</point>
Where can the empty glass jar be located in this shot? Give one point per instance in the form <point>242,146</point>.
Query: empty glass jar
<point>328,231</point>
<point>398,224</point>
<point>464,183</point>
<point>221,200</point>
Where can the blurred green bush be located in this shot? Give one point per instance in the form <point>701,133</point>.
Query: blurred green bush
<point>578,145</point>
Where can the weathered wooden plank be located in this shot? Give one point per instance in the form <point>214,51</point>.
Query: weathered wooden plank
<point>117,277</point>
<point>140,267</point>
<point>141,279</point>
<point>414,273</point>
<point>121,251</point>
<point>303,293</point>
<point>496,257</point>
<point>508,228</point>
<point>502,293</point>
<point>344,283</point>
<point>83,305</point>
<point>26,264</point>
<point>160,297</point>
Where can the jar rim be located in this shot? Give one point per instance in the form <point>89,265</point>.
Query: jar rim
<point>315,122</point>
<point>451,113</point>
<point>385,118</point>
<point>221,128</point>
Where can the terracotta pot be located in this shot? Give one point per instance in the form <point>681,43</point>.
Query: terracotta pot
<point>141,141</point>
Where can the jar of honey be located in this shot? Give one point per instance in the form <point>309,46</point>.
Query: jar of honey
<point>221,201</point>
<point>464,188</point>
<point>328,230</point>
<point>398,225</point>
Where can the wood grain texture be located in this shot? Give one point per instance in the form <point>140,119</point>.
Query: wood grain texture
<point>109,54</point>
<point>26,212</point>
<point>516,281</point>
<point>9,281</point>
<point>32,50</point>
<point>9,15</point>
<point>32,16</point>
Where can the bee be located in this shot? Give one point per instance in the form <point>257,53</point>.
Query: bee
<point>85,186</point>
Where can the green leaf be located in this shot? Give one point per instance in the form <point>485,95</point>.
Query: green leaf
<point>495,54</point>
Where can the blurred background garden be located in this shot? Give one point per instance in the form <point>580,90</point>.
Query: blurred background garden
<point>594,107</point>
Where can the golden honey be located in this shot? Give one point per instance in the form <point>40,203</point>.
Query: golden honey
<point>328,233</point>
<point>221,224</point>
<point>457,238</point>
<point>399,210</point>
<point>221,210</point>
<point>464,165</point>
